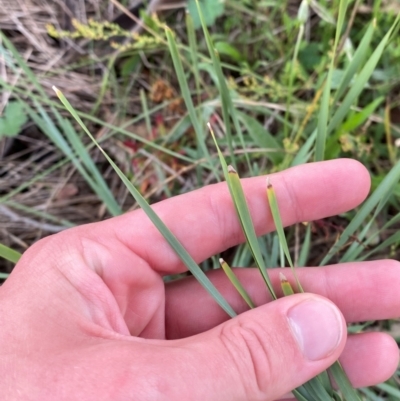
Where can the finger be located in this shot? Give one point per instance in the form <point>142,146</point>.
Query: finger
<point>205,220</point>
<point>362,291</point>
<point>370,358</point>
<point>266,352</point>
<point>262,354</point>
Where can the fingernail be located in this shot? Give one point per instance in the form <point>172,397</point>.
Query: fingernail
<point>317,326</point>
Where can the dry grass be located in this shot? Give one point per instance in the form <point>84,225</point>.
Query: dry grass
<point>78,68</point>
<point>63,194</point>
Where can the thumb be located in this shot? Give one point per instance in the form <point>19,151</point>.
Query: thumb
<point>261,354</point>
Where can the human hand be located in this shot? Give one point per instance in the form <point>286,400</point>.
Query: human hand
<point>85,314</point>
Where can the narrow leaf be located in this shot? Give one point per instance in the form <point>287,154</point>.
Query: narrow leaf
<point>361,80</point>
<point>356,62</point>
<point>236,283</point>
<point>349,393</point>
<point>239,200</point>
<point>9,254</point>
<point>285,285</point>
<point>385,187</point>
<point>228,109</point>
<point>162,228</point>
<point>273,204</point>
<point>187,97</point>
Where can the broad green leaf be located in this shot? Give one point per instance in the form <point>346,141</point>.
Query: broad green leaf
<point>227,49</point>
<point>262,137</point>
<point>13,119</point>
<point>211,10</point>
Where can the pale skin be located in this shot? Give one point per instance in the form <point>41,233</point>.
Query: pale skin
<point>86,316</point>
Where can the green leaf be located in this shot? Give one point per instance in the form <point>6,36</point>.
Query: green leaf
<point>387,388</point>
<point>323,128</point>
<point>305,249</point>
<point>162,228</point>
<point>361,80</point>
<point>236,283</point>
<point>243,213</point>
<point>356,62</point>
<point>13,119</point>
<point>228,109</point>
<point>9,254</point>
<point>273,204</point>
<point>349,393</point>
<point>386,186</point>
<point>228,50</point>
<point>211,10</point>
<point>187,97</point>
<point>285,285</point>
<point>262,137</point>
<point>357,119</point>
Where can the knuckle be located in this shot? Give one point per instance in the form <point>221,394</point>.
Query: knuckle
<point>251,349</point>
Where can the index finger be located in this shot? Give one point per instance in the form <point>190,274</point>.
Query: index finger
<point>205,221</point>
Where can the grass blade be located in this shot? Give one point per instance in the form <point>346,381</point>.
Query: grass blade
<point>305,250</point>
<point>187,97</point>
<point>302,394</point>
<point>387,388</point>
<point>163,229</point>
<point>228,109</point>
<point>273,204</point>
<point>94,180</point>
<point>9,254</point>
<point>361,80</point>
<point>285,285</point>
<point>356,62</point>
<point>349,393</point>
<point>323,119</point>
<point>236,283</point>
<point>262,137</point>
<point>239,200</point>
<point>325,101</point>
<point>385,187</point>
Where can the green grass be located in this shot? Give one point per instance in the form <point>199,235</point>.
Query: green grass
<point>287,86</point>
